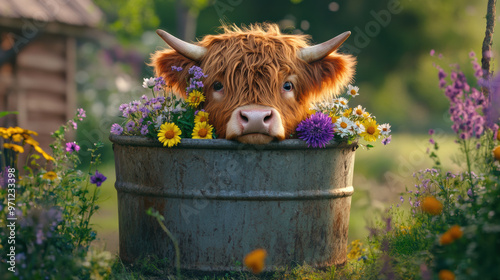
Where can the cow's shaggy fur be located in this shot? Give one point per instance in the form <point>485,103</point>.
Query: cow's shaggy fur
<point>253,63</point>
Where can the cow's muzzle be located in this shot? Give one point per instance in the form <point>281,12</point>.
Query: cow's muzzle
<point>255,124</point>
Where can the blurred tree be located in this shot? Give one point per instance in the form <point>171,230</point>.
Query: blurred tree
<point>391,39</point>
<point>187,15</point>
<point>128,19</point>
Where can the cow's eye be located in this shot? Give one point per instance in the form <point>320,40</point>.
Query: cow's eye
<point>288,86</point>
<point>217,86</point>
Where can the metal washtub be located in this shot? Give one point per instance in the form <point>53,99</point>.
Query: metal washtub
<point>222,199</point>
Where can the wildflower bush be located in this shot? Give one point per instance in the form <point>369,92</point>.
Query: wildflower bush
<point>47,204</point>
<point>167,117</point>
<point>450,227</point>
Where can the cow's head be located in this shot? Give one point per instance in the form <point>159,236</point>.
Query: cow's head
<point>260,82</point>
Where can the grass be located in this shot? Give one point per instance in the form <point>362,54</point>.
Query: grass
<point>381,174</point>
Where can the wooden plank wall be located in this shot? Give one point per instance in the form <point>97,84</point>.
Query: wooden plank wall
<point>44,87</point>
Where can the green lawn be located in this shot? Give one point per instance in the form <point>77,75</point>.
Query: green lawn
<point>381,174</point>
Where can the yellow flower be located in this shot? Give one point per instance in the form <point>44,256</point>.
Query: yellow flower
<point>202,131</point>
<point>371,132</point>
<point>311,112</point>
<point>356,250</point>
<point>5,132</point>
<point>445,274</point>
<point>44,154</point>
<point>333,117</point>
<point>347,112</point>
<point>201,117</point>
<point>404,230</point>
<point>169,134</point>
<point>14,147</point>
<point>431,205</point>
<point>496,152</point>
<point>30,132</point>
<point>17,138</point>
<point>255,260</point>
<point>29,140</point>
<point>51,175</point>
<point>366,115</point>
<point>195,98</point>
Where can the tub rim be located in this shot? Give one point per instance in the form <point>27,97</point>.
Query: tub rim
<point>223,144</point>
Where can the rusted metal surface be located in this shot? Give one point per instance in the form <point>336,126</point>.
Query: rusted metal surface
<point>223,199</point>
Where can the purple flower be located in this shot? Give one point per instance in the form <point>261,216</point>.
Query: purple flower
<point>97,179</point>
<point>432,141</point>
<point>401,199</point>
<point>116,129</point>
<point>387,140</point>
<point>72,147</point>
<point>431,131</point>
<point>144,130</point>
<point>39,236</point>
<point>81,114</point>
<point>317,130</point>
<point>432,52</point>
<point>130,126</point>
<point>72,123</point>
<point>125,106</point>
<point>157,87</point>
<point>469,193</point>
<point>176,68</point>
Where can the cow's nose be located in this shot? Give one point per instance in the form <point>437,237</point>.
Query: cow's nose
<point>256,121</point>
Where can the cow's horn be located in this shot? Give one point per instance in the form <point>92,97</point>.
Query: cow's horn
<point>317,52</point>
<point>188,50</point>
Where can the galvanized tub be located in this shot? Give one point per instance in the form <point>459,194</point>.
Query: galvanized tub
<point>222,199</point>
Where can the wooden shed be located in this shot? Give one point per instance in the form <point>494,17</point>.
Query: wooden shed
<point>37,60</point>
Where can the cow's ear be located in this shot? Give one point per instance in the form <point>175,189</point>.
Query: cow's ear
<point>331,74</point>
<point>163,60</point>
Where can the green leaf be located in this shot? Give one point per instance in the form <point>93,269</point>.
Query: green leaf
<point>5,113</point>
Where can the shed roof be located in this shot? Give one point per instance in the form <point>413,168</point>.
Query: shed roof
<point>83,13</point>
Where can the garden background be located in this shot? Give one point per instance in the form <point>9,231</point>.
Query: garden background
<point>395,73</point>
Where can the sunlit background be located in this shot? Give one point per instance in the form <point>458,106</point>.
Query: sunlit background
<point>391,39</point>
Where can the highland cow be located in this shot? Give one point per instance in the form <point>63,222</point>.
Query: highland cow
<point>260,82</point>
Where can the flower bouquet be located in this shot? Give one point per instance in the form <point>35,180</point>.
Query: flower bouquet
<point>169,119</point>
<point>335,120</point>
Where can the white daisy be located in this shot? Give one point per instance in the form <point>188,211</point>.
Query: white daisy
<point>358,111</point>
<point>359,127</point>
<point>343,102</point>
<point>352,90</point>
<point>385,129</point>
<point>148,82</point>
<point>340,102</point>
<point>322,106</point>
<point>342,126</point>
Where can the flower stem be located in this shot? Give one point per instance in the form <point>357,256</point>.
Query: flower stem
<point>470,173</point>
<point>176,246</point>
